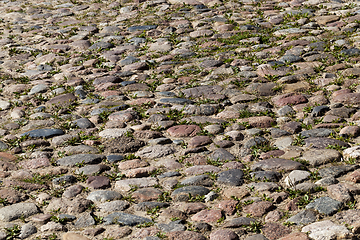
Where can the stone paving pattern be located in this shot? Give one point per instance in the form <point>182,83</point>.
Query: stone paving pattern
<point>184,120</point>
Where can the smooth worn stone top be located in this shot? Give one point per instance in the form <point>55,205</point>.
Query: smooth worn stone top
<point>324,143</point>
<point>124,219</point>
<point>72,160</point>
<point>43,133</point>
<point>276,164</point>
<point>15,211</point>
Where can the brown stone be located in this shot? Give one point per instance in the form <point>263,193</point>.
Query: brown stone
<point>118,232</point>
<point>238,192</point>
<point>63,100</point>
<point>258,209</point>
<point>146,194</point>
<point>199,141</point>
<point>185,235</point>
<point>191,208</point>
<point>98,182</point>
<point>131,164</point>
<point>11,196</point>
<point>274,216</point>
<point>74,236</point>
<point>35,163</point>
<point>295,236</point>
<point>260,122</point>
<point>339,192</point>
<point>207,216</point>
<point>275,231</point>
<point>353,177</point>
<point>184,130</point>
<point>223,234</point>
<point>228,206</point>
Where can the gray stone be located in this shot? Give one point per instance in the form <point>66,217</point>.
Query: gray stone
<point>27,230</point>
<point>296,177</point>
<point>145,206</point>
<point>336,171</point>
<point>285,111</point>
<point>15,211</point>
<point>276,164</point>
<point>322,143</point>
<point>124,219</point>
<point>290,58</point>
<point>71,161</point>
<point>85,220</point>
<point>40,88</point>
<point>114,206</point>
<point>103,195</point>
<point>321,156</point>
<point>157,151</point>
<point>221,155</point>
<point>239,222</point>
<point>92,169</point>
<point>182,194</point>
<point>254,142</point>
<point>64,180</point>
<point>319,111</point>
<point>43,133</point>
<point>83,123</point>
<point>303,218</point>
<point>200,180</point>
<point>317,132</point>
<point>266,176</point>
<point>101,45</point>
<point>142,28</point>
<point>171,227</point>
<point>257,237</point>
<point>325,205</point>
<point>178,101</point>
<point>232,177</point>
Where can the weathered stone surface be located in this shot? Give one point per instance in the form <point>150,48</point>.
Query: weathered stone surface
<point>326,229</point>
<point>15,211</point>
<point>276,164</point>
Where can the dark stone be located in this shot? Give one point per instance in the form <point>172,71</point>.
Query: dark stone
<point>254,142</point>
<point>124,219</point>
<point>64,179</point>
<point>169,174</point>
<point>336,171</point>
<point>71,161</point>
<point>276,133</point>
<point>182,194</point>
<point>319,111</point>
<point>290,58</point>
<point>43,133</point>
<point>101,45</point>
<point>83,123</point>
<point>180,101</point>
<point>221,155</point>
<point>350,52</point>
<point>239,222</point>
<point>325,205</point>
<point>266,176</point>
<point>317,132</point>
<point>322,143</point>
<point>145,206</point>
<point>142,28</point>
<point>232,177</point>
<point>114,158</point>
<point>303,218</point>
<point>200,180</point>
<point>172,226</point>
<point>124,145</point>
<point>277,164</point>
